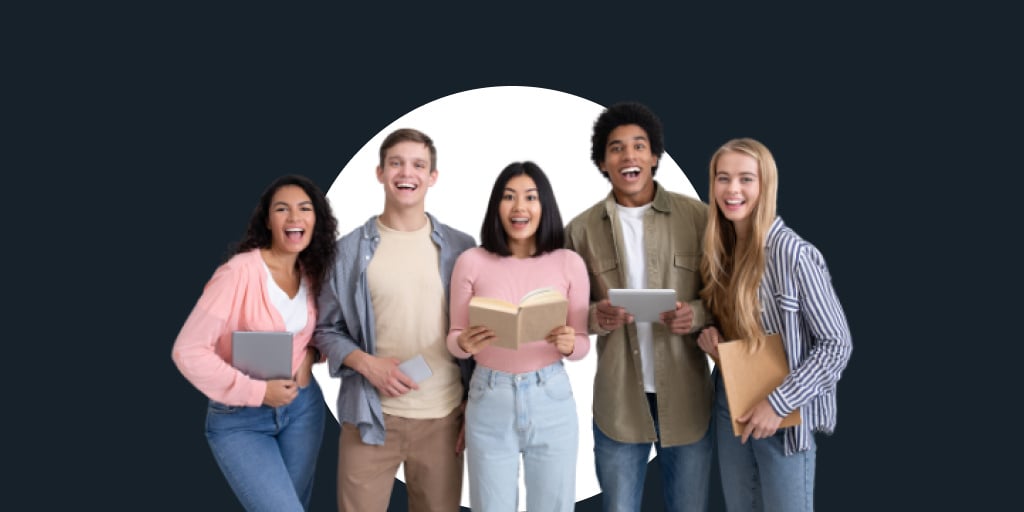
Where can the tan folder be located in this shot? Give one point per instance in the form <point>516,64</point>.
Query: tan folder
<point>750,377</point>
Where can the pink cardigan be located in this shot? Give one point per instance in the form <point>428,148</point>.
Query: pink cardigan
<point>235,299</point>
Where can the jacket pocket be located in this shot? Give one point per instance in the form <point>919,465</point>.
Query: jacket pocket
<point>600,267</point>
<point>689,262</point>
<point>604,274</point>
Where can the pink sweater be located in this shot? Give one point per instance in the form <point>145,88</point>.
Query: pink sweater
<point>235,299</point>
<point>479,272</point>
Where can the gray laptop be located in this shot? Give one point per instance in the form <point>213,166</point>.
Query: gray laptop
<point>262,355</point>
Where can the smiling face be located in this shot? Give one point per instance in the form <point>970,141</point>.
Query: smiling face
<point>628,161</point>
<point>291,219</point>
<point>406,175</point>
<point>737,188</point>
<point>520,212</point>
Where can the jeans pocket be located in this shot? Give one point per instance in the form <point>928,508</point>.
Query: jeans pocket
<point>219,408</point>
<point>476,390</point>
<point>557,386</point>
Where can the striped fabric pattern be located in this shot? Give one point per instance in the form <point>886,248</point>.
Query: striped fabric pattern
<point>799,302</point>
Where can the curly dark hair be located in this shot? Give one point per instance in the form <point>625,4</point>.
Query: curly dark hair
<point>317,259</point>
<point>627,112</point>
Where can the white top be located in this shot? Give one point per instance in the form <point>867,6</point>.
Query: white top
<point>631,219</point>
<point>292,309</point>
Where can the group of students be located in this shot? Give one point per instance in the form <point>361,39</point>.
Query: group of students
<point>400,286</point>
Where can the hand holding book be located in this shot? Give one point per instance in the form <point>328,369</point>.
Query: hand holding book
<point>475,338</point>
<point>563,338</point>
<point>534,318</point>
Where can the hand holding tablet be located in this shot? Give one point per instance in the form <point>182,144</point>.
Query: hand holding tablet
<point>646,305</point>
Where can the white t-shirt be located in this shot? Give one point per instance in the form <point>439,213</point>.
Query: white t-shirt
<point>292,309</point>
<point>631,219</point>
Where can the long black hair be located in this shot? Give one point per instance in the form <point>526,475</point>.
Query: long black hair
<point>550,234</point>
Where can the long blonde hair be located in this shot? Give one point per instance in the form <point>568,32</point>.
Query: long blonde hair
<point>731,280</point>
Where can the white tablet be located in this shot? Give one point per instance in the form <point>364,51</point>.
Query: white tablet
<point>646,305</point>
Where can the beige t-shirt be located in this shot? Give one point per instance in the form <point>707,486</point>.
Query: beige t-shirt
<point>412,318</point>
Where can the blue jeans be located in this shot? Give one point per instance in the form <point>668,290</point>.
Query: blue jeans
<point>622,468</point>
<point>267,454</point>
<point>758,476</point>
<point>531,414</point>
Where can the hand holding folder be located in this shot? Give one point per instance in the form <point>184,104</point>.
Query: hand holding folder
<point>750,376</point>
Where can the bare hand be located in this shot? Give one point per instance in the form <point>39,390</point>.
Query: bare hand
<point>563,338</point>
<point>384,374</point>
<point>708,341</point>
<point>475,338</point>
<point>611,317</point>
<point>761,421</point>
<point>679,320</point>
<point>280,392</point>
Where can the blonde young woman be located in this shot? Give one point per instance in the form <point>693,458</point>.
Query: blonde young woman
<point>761,278</point>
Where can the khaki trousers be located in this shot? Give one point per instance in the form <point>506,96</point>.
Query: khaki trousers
<point>433,472</point>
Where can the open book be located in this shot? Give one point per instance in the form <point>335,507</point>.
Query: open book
<point>750,377</point>
<point>537,313</point>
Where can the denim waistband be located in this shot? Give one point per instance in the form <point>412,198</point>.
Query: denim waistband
<point>495,377</point>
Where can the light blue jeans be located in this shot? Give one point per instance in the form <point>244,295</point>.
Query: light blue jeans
<point>268,454</point>
<point>530,414</point>
<point>758,476</point>
<point>622,469</point>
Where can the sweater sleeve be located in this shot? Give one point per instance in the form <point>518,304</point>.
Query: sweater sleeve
<point>579,303</point>
<point>458,308</point>
<point>195,350</point>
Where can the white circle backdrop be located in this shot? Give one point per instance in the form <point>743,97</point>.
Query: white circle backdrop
<point>477,133</point>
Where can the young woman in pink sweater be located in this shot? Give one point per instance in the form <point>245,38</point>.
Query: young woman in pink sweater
<point>265,434</point>
<point>520,401</point>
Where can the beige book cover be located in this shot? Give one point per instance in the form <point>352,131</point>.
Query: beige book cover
<point>537,313</point>
<point>750,377</point>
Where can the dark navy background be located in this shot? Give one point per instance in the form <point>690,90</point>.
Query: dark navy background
<point>153,129</point>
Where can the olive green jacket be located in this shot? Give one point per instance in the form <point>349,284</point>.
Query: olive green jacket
<point>673,236</point>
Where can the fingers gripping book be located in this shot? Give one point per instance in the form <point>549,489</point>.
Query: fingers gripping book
<point>536,314</point>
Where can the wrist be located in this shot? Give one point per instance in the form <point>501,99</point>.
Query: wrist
<point>356,360</point>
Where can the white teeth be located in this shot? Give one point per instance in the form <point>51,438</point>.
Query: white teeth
<point>409,186</point>
<point>630,169</point>
<point>733,201</point>
<point>520,219</point>
<point>294,230</point>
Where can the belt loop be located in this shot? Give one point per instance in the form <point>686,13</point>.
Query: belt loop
<point>490,379</point>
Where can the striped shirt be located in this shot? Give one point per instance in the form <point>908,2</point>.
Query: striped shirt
<point>798,301</point>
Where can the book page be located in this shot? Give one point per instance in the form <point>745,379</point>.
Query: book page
<point>494,304</point>
<point>541,295</point>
